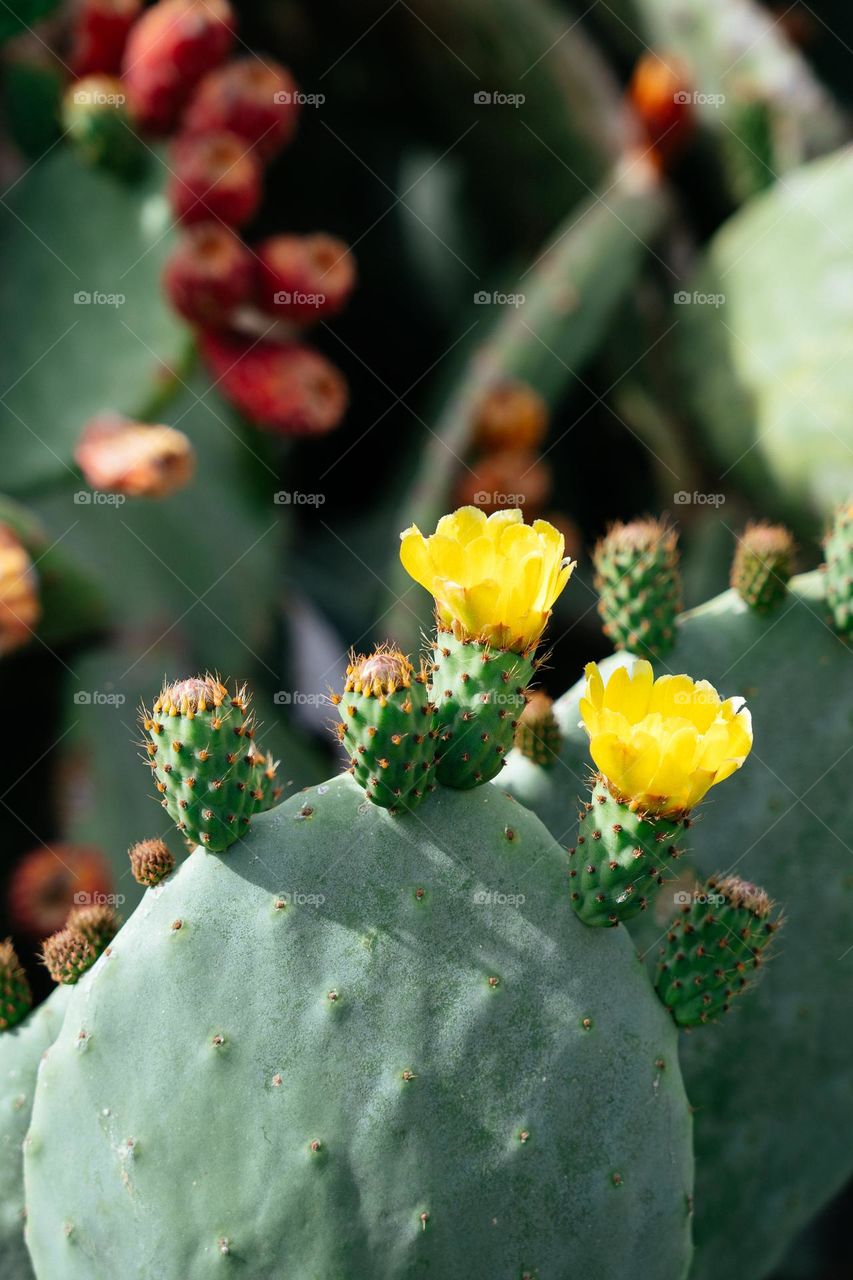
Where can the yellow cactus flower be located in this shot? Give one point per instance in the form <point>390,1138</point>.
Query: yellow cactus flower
<point>662,744</point>
<point>494,578</point>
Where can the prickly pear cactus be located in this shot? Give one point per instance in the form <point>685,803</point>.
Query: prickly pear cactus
<point>767,1160</point>
<point>21,1051</point>
<point>391,1025</point>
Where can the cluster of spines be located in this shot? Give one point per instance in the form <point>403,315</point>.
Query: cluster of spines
<point>713,948</point>
<point>639,585</point>
<point>762,565</point>
<point>621,857</point>
<point>208,770</point>
<point>150,861</point>
<point>387,728</point>
<point>537,734</point>
<point>838,553</point>
<point>16,998</point>
<point>72,950</point>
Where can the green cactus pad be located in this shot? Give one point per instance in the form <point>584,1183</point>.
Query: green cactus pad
<point>621,858</point>
<point>401,1054</point>
<point>838,551</point>
<point>762,566</point>
<point>208,770</point>
<point>537,734</point>
<point>387,729</point>
<point>478,694</point>
<point>21,1052</point>
<point>16,998</point>
<point>713,948</point>
<point>637,578</point>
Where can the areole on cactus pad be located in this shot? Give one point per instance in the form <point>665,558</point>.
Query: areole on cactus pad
<point>402,1049</point>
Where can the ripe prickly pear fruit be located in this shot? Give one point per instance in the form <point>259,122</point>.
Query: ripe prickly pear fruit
<point>67,955</point>
<point>637,578</point>
<point>712,949</point>
<point>208,770</point>
<point>255,98</point>
<point>511,415</point>
<point>537,734</point>
<point>762,565</point>
<point>169,49</point>
<point>16,998</point>
<point>387,728</point>
<point>99,33</point>
<point>118,455</point>
<point>20,605</point>
<point>838,552</point>
<point>209,276</point>
<point>214,177</point>
<point>304,278</point>
<point>97,124</point>
<point>150,862</point>
<point>512,476</point>
<point>660,745</point>
<point>290,389</point>
<point>410,1011</point>
<point>494,580</point>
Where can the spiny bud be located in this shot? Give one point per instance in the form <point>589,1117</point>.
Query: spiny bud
<point>304,278</point>
<point>513,477</point>
<point>67,955</point>
<point>117,455</point>
<point>151,861</point>
<point>168,51</point>
<point>838,553</point>
<point>742,893</point>
<point>255,98</point>
<point>288,389</point>
<point>209,275</point>
<point>537,733</point>
<point>382,673</point>
<point>637,578</point>
<point>20,607</point>
<point>511,415</point>
<point>762,565</point>
<point>98,924</point>
<point>16,998</point>
<point>214,178</point>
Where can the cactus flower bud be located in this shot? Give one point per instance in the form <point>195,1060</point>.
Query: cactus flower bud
<point>16,998</point>
<point>252,97</point>
<point>97,922</point>
<point>209,275</point>
<point>288,389</point>
<point>638,580</point>
<point>762,565</point>
<point>214,176</point>
<point>67,955</point>
<point>511,415</point>
<point>537,734</point>
<point>117,455</point>
<point>169,49</point>
<point>99,33</point>
<point>304,277</point>
<point>20,607</point>
<point>151,861</point>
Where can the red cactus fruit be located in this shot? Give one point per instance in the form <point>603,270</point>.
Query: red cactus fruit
<point>512,478</point>
<point>660,93</point>
<point>511,415</point>
<point>118,455</point>
<point>256,98</point>
<point>210,274</point>
<point>287,389</point>
<point>168,51</point>
<point>214,176</point>
<point>48,882</point>
<point>99,31</point>
<point>304,277</point>
<point>20,607</point>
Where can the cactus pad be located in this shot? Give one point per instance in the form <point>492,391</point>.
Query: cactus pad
<point>762,565</point>
<point>16,998</point>
<point>401,1054</point>
<point>637,578</point>
<point>387,729</point>
<point>712,948</point>
<point>620,859</point>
